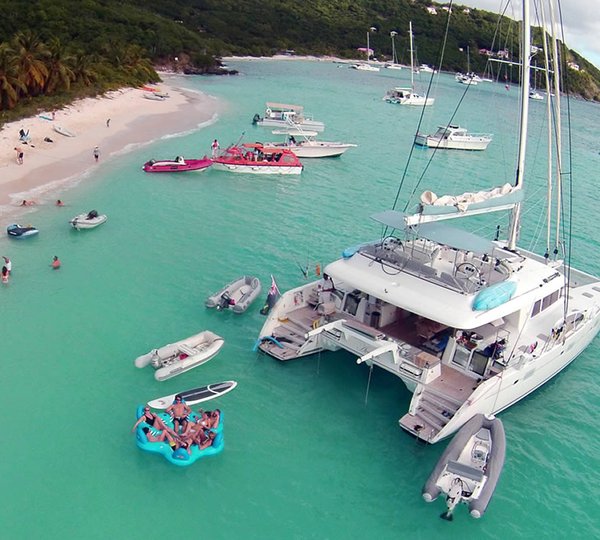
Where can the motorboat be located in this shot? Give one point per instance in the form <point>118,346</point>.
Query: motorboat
<point>424,68</point>
<point>282,115</point>
<point>181,356</point>
<point>19,231</point>
<point>88,220</point>
<point>179,164</point>
<point>469,469</point>
<point>408,96</point>
<point>256,158</point>
<point>235,296</point>
<point>455,138</point>
<point>305,144</point>
<point>470,322</point>
<point>148,438</point>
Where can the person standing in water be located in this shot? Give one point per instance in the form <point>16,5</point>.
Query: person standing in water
<point>55,263</point>
<point>4,274</point>
<point>215,148</point>
<point>96,153</point>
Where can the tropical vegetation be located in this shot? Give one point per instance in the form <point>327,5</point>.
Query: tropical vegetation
<point>52,51</point>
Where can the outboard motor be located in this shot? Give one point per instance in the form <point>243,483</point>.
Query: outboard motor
<point>256,119</point>
<point>224,301</point>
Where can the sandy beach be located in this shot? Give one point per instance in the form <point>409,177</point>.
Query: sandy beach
<point>134,120</point>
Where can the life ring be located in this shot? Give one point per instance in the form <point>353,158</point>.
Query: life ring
<point>268,112</point>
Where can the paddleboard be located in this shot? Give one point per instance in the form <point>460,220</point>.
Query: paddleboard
<point>45,117</point>
<point>196,395</point>
<point>63,131</point>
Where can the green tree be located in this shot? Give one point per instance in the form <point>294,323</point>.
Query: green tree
<point>10,83</point>
<point>31,58</point>
<point>60,75</point>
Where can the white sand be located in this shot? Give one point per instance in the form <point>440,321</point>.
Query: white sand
<point>133,120</point>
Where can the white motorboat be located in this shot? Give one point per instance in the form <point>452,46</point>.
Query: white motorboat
<point>305,144</point>
<point>280,115</point>
<point>455,138</point>
<point>471,323</point>
<point>155,96</point>
<point>235,296</point>
<point>469,79</point>
<point>408,96</point>
<point>181,356</point>
<point>88,220</point>
<point>469,469</point>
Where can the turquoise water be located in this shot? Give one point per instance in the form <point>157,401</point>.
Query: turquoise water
<point>305,456</point>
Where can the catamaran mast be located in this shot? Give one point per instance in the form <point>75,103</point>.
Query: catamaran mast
<point>412,63</point>
<point>525,80</point>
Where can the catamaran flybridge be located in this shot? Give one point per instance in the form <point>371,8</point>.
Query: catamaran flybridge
<point>469,324</point>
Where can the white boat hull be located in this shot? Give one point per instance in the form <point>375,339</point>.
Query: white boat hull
<point>454,143</point>
<point>309,125</point>
<point>83,222</point>
<point>181,356</point>
<point>256,169</point>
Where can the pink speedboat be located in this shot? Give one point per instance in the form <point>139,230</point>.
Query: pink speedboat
<point>179,164</point>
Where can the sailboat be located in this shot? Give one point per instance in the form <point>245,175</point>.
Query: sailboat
<point>365,66</point>
<point>470,324</point>
<point>394,64</point>
<point>533,93</point>
<point>408,96</point>
<point>470,78</point>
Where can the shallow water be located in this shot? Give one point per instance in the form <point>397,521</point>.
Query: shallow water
<point>305,456</point>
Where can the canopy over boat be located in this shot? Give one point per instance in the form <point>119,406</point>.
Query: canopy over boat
<point>284,107</point>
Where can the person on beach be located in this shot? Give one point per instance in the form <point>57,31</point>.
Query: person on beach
<point>7,263</point>
<point>215,148</point>
<point>25,202</point>
<point>96,153</point>
<point>59,202</point>
<point>179,411</point>
<point>55,263</point>
<point>53,115</point>
<point>4,274</point>
<point>108,123</point>
<point>20,155</point>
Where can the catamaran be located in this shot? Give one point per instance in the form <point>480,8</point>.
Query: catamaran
<point>408,96</point>
<point>469,324</point>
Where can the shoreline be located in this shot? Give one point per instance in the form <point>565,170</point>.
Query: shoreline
<point>50,168</point>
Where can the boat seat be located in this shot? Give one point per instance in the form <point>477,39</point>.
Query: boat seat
<point>460,469</point>
<point>326,308</point>
<point>187,350</point>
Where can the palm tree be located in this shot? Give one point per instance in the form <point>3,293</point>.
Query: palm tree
<point>83,69</point>
<point>138,64</point>
<point>10,84</point>
<point>60,75</point>
<point>31,55</point>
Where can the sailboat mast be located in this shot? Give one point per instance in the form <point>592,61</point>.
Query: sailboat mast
<point>412,63</point>
<point>368,46</point>
<point>525,80</point>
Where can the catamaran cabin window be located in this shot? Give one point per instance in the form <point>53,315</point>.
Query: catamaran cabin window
<point>546,302</point>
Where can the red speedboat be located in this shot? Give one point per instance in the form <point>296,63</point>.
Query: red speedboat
<point>256,158</point>
<point>179,164</point>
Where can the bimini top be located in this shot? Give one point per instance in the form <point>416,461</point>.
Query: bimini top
<point>437,232</point>
<point>284,107</point>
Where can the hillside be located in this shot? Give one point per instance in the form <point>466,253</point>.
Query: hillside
<point>93,45</point>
